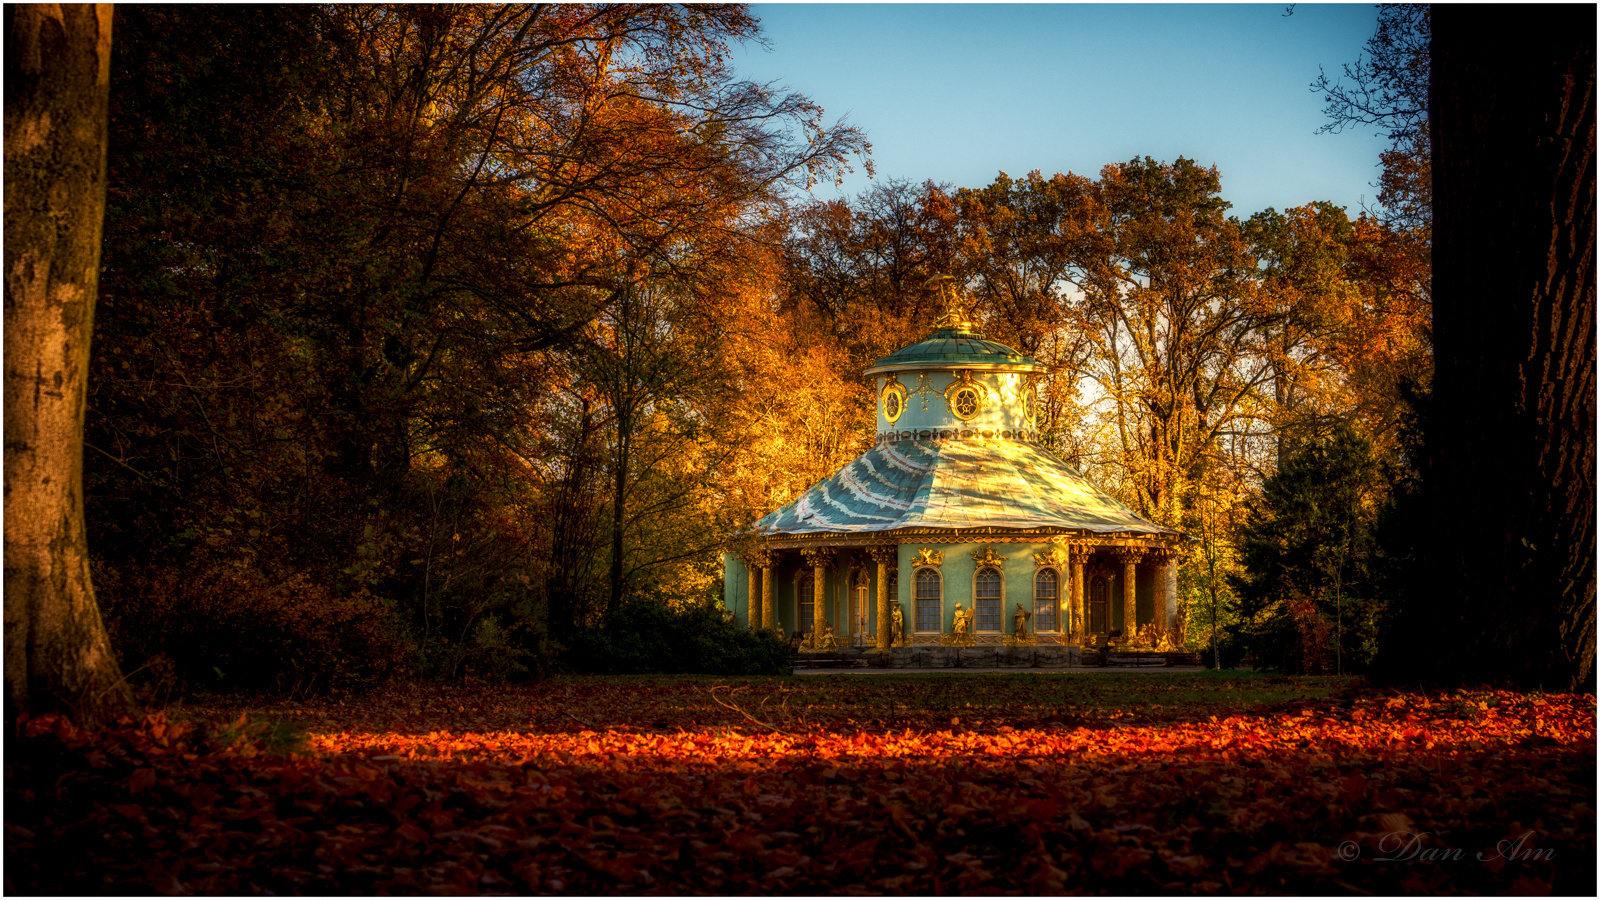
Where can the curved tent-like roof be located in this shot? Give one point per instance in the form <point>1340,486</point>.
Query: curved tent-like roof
<point>955,483</point>
<point>955,347</point>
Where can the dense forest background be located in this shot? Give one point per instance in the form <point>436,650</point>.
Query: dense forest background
<point>438,339</point>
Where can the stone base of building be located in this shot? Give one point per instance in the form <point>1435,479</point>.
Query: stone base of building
<point>984,656</point>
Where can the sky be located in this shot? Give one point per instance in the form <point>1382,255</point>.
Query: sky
<point>959,92</point>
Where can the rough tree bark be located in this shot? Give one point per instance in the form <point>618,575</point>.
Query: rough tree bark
<point>57,75</point>
<point>1510,468</point>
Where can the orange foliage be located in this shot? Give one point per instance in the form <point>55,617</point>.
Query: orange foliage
<point>1278,800</point>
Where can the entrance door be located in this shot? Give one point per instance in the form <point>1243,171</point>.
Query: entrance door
<point>858,609</point>
<point>1099,604</point>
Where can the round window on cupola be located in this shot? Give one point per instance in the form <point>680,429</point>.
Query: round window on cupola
<point>894,400</point>
<point>964,396</point>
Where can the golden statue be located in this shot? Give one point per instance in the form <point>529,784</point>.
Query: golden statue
<point>954,316</point>
<point>1019,623</point>
<point>899,622</point>
<point>827,643</point>
<point>961,626</point>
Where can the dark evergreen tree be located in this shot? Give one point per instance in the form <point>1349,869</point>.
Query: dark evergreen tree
<point>1306,592</point>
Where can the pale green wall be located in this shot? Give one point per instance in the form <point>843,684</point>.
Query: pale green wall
<point>958,569</point>
<point>1010,398</point>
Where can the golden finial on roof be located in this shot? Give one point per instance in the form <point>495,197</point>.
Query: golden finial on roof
<point>955,315</point>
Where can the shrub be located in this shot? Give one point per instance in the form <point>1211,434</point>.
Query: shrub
<point>229,625</point>
<point>646,636</point>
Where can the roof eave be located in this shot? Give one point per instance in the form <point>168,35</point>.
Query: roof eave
<point>926,365</point>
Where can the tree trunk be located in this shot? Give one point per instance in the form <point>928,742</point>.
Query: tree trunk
<point>1510,476</point>
<point>57,654</point>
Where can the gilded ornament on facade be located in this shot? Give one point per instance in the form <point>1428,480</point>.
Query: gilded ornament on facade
<point>965,397</point>
<point>818,556</point>
<point>924,389</point>
<point>987,557</point>
<point>926,557</point>
<point>893,399</point>
<point>1055,556</point>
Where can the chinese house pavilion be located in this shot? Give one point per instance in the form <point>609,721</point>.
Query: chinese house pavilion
<point>956,526</point>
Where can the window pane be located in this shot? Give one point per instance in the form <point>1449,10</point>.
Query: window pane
<point>987,600</point>
<point>1045,595</point>
<point>808,609</point>
<point>928,600</point>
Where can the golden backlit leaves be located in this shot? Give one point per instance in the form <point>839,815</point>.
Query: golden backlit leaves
<point>531,800</point>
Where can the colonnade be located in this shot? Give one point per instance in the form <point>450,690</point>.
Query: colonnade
<point>1073,559</point>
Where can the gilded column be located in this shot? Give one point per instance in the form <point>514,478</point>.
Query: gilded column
<point>844,611</point>
<point>753,601</point>
<point>1170,577</point>
<point>883,556</point>
<point>1129,558</point>
<point>1080,622</point>
<point>1067,615</point>
<point>1159,612</point>
<point>820,558</point>
<point>769,612</point>
<point>759,562</point>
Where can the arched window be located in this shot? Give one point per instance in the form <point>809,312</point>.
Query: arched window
<point>986,599</point>
<point>929,600</point>
<point>805,604</point>
<point>1046,596</point>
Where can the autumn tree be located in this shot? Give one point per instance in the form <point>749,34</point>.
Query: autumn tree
<point>1175,322</point>
<point>862,267</point>
<point>350,253</point>
<point>57,654</point>
<point>1387,88</point>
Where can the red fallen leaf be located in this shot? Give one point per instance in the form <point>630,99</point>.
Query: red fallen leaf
<point>1041,809</point>
<point>411,832</point>
<point>744,842</point>
<point>141,780</point>
<point>1528,885</point>
<point>617,868</point>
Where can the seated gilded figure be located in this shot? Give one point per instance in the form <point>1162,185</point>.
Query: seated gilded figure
<point>961,624</point>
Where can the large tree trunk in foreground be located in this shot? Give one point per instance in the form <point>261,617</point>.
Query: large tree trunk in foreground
<point>57,654</point>
<point>1510,557</point>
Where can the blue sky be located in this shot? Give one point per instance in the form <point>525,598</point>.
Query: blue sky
<point>959,92</point>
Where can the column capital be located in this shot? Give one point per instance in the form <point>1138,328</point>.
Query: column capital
<point>818,557</point>
<point>884,553</point>
<point>756,558</point>
<point>1128,555</point>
